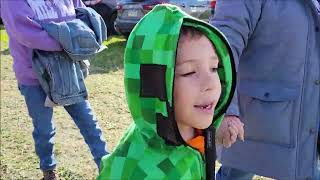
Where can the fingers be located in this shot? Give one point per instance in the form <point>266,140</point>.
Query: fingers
<point>226,142</point>
<point>236,123</point>
<point>230,129</point>
<point>233,130</point>
<point>225,136</point>
<point>229,136</point>
<point>241,132</point>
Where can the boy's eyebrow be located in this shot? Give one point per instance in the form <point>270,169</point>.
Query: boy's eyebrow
<point>214,58</point>
<point>187,61</point>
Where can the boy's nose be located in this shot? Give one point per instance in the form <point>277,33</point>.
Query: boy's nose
<point>208,82</point>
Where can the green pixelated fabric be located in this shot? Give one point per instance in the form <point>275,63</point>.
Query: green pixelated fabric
<point>152,147</point>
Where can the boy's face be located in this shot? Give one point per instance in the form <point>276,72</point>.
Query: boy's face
<point>197,85</point>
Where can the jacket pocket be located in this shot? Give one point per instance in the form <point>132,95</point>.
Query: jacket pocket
<point>269,112</point>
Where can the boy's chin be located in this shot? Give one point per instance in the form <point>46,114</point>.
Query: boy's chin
<point>204,126</point>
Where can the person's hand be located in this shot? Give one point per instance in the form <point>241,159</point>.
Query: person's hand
<point>230,129</point>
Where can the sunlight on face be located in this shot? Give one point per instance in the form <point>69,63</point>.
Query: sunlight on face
<point>197,85</point>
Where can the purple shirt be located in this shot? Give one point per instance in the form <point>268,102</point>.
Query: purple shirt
<point>25,34</point>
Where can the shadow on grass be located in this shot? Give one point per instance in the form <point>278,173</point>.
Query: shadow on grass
<point>5,52</point>
<point>110,59</point>
<point>66,174</point>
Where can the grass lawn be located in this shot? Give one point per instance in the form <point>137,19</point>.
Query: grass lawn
<point>106,95</point>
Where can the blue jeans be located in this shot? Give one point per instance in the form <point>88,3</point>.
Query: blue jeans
<point>44,129</point>
<point>227,173</point>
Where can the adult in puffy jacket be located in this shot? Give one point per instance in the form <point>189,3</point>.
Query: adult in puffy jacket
<point>277,46</point>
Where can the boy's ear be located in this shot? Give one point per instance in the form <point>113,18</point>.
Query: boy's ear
<point>153,81</point>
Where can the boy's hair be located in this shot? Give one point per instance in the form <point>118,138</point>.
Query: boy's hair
<point>190,32</point>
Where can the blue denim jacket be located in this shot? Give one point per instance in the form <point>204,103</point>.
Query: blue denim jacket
<point>94,21</point>
<point>81,38</point>
<point>59,73</point>
<point>60,77</point>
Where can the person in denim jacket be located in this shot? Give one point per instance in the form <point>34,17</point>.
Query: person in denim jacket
<point>277,46</point>
<point>25,35</point>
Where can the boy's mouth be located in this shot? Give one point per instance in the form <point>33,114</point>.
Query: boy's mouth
<point>207,107</point>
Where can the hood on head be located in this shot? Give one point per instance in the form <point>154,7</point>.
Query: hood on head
<point>149,65</point>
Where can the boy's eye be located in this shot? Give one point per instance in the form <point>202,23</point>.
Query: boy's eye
<point>188,74</point>
<point>214,69</point>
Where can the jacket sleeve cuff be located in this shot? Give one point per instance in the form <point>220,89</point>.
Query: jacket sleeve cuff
<point>233,109</point>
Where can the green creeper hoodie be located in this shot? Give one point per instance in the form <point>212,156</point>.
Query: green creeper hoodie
<point>152,147</point>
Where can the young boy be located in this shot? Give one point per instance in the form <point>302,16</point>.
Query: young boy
<point>26,34</point>
<point>179,79</point>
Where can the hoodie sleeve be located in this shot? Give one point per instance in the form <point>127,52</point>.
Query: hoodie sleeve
<point>237,19</point>
<point>20,25</point>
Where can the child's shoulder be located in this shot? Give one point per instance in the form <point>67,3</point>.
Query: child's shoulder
<point>138,157</point>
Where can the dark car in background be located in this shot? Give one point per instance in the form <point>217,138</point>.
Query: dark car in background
<point>131,11</point>
<point>107,10</point>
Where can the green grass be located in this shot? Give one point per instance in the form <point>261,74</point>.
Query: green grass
<point>3,41</point>
<point>107,97</point>
<point>111,59</point>
<point>3,35</point>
